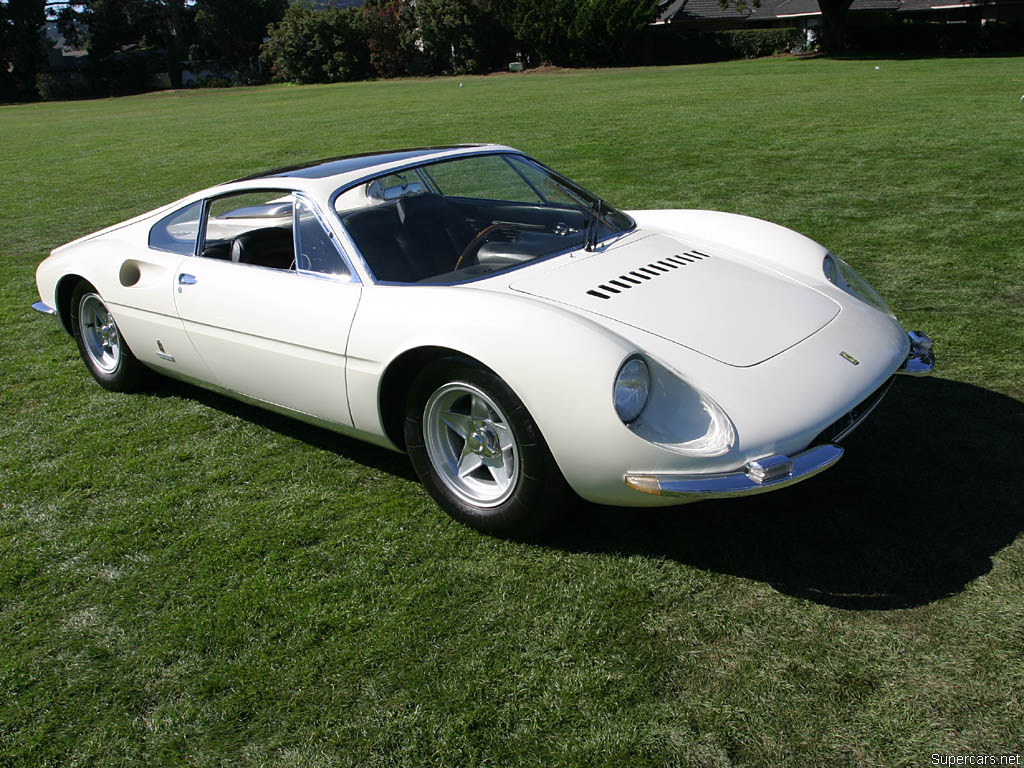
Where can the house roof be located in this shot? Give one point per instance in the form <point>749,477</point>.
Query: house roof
<point>698,10</point>
<point>688,10</point>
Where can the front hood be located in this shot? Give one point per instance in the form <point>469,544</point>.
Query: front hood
<point>711,303</point>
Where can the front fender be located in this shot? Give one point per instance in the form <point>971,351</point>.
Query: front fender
<point>560,364</point>
<point>747,237</point>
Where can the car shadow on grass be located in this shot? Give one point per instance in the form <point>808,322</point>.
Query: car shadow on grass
<point>927,493</point>
<point>369,455</point>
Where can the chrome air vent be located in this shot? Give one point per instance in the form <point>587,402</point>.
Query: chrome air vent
<point>640,275</point>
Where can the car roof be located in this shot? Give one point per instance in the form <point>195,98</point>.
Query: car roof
<point>324,177</point>
<point>335,172</point>
<point>346,164</point>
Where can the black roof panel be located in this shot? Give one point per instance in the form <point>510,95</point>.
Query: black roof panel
<point>321,169</point>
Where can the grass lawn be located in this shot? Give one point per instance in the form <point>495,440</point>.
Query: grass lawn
<point>187,580</point>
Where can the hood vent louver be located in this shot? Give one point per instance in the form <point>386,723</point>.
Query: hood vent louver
<point>642,274</point>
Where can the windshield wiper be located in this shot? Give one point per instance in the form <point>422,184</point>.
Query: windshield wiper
<point>593,225</point>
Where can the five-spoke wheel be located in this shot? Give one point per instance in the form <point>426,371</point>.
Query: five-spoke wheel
<point>471,444</point>
<point>99,333</point>
<point>478,451</point>
<point>100,344</point>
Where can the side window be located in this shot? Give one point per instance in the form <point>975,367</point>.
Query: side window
<point>250,227</point>
<point>177,232</point>
<point>315,248</point>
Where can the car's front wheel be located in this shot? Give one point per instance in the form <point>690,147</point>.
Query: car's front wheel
<point>478,451</point>
<point>100,344</point>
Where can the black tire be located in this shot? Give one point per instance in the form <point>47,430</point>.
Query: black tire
<point>536,492</point>
<point>100,344</point>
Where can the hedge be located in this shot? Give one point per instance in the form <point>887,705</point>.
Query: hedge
<point>675,47</point>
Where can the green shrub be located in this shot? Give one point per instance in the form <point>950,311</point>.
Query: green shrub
<point>212,81</point>
<point>49,87</point>
<point>61,86</point>
<point>754,43</point>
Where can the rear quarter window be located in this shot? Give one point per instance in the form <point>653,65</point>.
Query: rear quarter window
<point>177,232</point>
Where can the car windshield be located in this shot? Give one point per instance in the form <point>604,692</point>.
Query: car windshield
<point>462,219</point>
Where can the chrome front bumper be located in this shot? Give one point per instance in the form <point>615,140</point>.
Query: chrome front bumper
<point>759,476</point>
<point>778,471</point>
<point>921,359</point>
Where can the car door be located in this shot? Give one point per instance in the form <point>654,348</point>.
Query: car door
<point>142,299</point>
<point>269,301</point>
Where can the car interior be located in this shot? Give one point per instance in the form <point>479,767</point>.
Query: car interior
<point>257,233</point>
<point>426,237</point>
<point>444,223</point>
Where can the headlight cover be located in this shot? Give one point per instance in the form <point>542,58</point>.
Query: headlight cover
<point>632,388</point>
<point>682,418</point>
<point>843,276</point>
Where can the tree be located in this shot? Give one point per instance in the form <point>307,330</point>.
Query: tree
<point>609,31</point>
<point>311,46</point>
<point>462,36</point>
<point>545,27</point>
<point>113,27</point>
<point>170,15</point>
<point>21,47</point>
<point>833,24</point>
<point>232,31</point>
<point>229,31</point>
<point>390,27</point>
<point>583,32</point>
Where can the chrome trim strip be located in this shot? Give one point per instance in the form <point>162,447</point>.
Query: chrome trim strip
<point>42,306</point>
<point>921,358</point>
<point>744,483</point>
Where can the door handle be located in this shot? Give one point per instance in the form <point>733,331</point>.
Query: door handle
<point>185,278</point>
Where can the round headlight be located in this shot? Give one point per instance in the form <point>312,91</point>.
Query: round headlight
<point>632,386</point>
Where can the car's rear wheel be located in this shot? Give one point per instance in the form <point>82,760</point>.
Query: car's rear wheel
<point>100,344</point>
<point>478,451</point>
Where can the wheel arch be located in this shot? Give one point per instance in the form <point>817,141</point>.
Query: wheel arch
<point>558,362</point>
<point>398,379</point>
<point>64,291</point>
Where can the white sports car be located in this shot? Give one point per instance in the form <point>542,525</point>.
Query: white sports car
<point>515,334</point>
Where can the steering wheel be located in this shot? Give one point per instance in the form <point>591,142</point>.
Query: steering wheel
<point>477,241</point>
